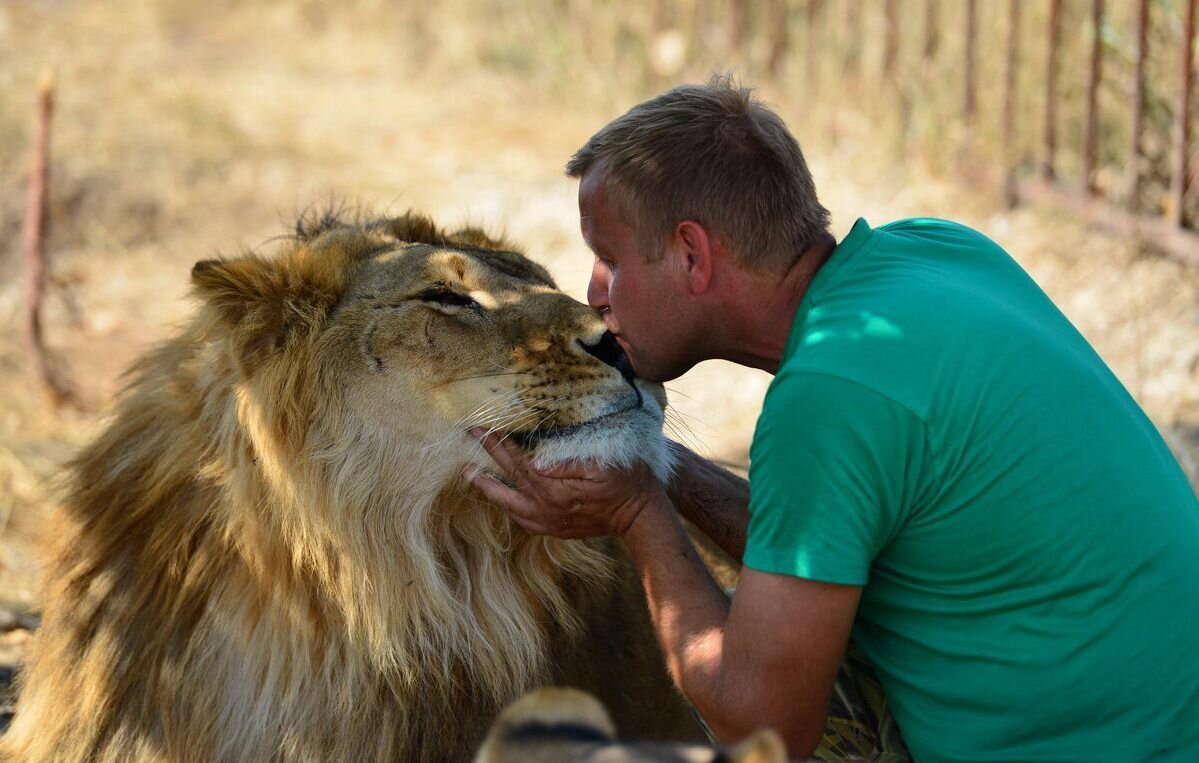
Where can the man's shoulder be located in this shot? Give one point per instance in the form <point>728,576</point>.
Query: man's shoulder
<point>930,227</point>
<point>800,381</point>
<point>935,237</point>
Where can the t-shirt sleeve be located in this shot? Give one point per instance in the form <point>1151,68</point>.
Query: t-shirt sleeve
<point>833,472</point>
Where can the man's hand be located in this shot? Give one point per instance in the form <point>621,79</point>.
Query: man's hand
<point>571,500</point>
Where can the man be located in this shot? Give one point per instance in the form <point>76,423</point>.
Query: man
<point>942,465</point>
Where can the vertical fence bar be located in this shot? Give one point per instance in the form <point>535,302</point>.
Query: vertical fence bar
<point>853,36</point>
<point>969,101</point>
<point>1138,107</point>
<point>660,14</point>
<point>1182,118</point>
<point>1010,194</point>
<point>780,38</point>
<point>932,38</point>
<point>1049,129</point>
<point>811,16</point>
<point>736,28</point>
<point>1090,136</point>
<point>698,32</point>
<point>891,40</point>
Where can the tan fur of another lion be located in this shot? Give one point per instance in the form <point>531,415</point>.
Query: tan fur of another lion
<point>269,553</point>
<point>557,725</point>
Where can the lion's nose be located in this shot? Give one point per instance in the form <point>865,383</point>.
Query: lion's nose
<point>609,351</point>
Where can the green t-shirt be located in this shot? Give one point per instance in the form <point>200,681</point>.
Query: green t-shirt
<point>939,433</point>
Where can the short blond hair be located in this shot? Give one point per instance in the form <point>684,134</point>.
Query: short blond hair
<point>715,154</point>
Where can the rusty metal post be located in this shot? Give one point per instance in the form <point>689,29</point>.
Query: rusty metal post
<point>932,37</point>
<point>737,22</point>
<point>1010,191</point>
<point>969,102</point>
<point>1090,137</point>
<point>780,38</point>
<point>812,44</point>
<point>1133,181</point>
<point>1049,129</point>
<point>891,40</point>
<point>1182,118</point>
<point>853,36</point>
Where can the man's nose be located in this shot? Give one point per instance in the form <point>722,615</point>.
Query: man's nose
<point>597,288</point>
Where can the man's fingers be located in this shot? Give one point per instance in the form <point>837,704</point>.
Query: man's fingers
<point>493,487</point>
<point>504,453</point>
<point>514,461</point>
<point>520,509</point>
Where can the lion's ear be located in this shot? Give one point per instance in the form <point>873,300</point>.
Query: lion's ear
<point>234,288</point>
<point>263,303</point>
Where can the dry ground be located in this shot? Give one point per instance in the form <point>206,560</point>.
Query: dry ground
<point>184,132</point>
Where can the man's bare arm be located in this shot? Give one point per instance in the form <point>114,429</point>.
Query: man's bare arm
<point>768,659</point>
<point>714,499</point>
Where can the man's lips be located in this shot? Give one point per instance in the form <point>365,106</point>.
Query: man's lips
<point>625,365</point>
<point>620,340</point>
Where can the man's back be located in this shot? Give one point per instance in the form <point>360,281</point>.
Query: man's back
<point>939,432</point>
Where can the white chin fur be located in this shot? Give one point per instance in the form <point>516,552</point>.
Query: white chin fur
<point>631,438</point>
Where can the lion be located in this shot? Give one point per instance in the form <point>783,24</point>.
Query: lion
<point>271,552</point>
<point>559,725</point>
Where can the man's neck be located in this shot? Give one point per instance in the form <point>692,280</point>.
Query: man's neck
<point>761,309</point>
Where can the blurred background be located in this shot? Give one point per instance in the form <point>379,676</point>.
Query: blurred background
<point>181,130</point>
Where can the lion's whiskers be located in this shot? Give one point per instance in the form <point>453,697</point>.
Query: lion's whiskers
<point>487,410</point>
<point>674,423</point>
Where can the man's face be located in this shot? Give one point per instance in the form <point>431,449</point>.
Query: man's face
<point>643,303</point>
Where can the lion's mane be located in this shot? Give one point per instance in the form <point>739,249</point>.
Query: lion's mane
<point>230,581</point>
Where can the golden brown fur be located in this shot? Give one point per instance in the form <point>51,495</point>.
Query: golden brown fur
<point>270,552</point>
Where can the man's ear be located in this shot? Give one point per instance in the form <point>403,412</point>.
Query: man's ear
<point>696,249</point>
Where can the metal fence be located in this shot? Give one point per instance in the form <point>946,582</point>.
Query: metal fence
<point>1081,102</point>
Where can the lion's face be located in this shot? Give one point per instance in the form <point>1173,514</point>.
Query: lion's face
<point>426,340</point>
<point>472,337</point>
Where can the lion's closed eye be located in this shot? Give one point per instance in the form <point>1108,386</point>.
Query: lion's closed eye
<point>444,296</point>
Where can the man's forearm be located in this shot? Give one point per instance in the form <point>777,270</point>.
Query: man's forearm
<point>714,499</point>
<point>689,611</point>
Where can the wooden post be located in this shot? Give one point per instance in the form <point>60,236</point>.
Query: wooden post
<point>853,36</point>
<point>1010,191</point>
<point>699,30</point>
<point>969,103</point>
<point>1133,181</point>
<point>736,27</point>
<point>1182,121</point>
<point>1049,136</point>
<point>1090,137</point>
<point>890,41</point>
<point>35,256</point>
<point>932,37</point>
<point>660,17</point>
<point>780,37</point>
<point>813,44</point>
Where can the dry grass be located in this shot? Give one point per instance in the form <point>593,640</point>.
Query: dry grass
<point>185,129</point>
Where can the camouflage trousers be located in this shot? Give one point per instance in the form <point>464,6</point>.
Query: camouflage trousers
<point>860,725</point>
